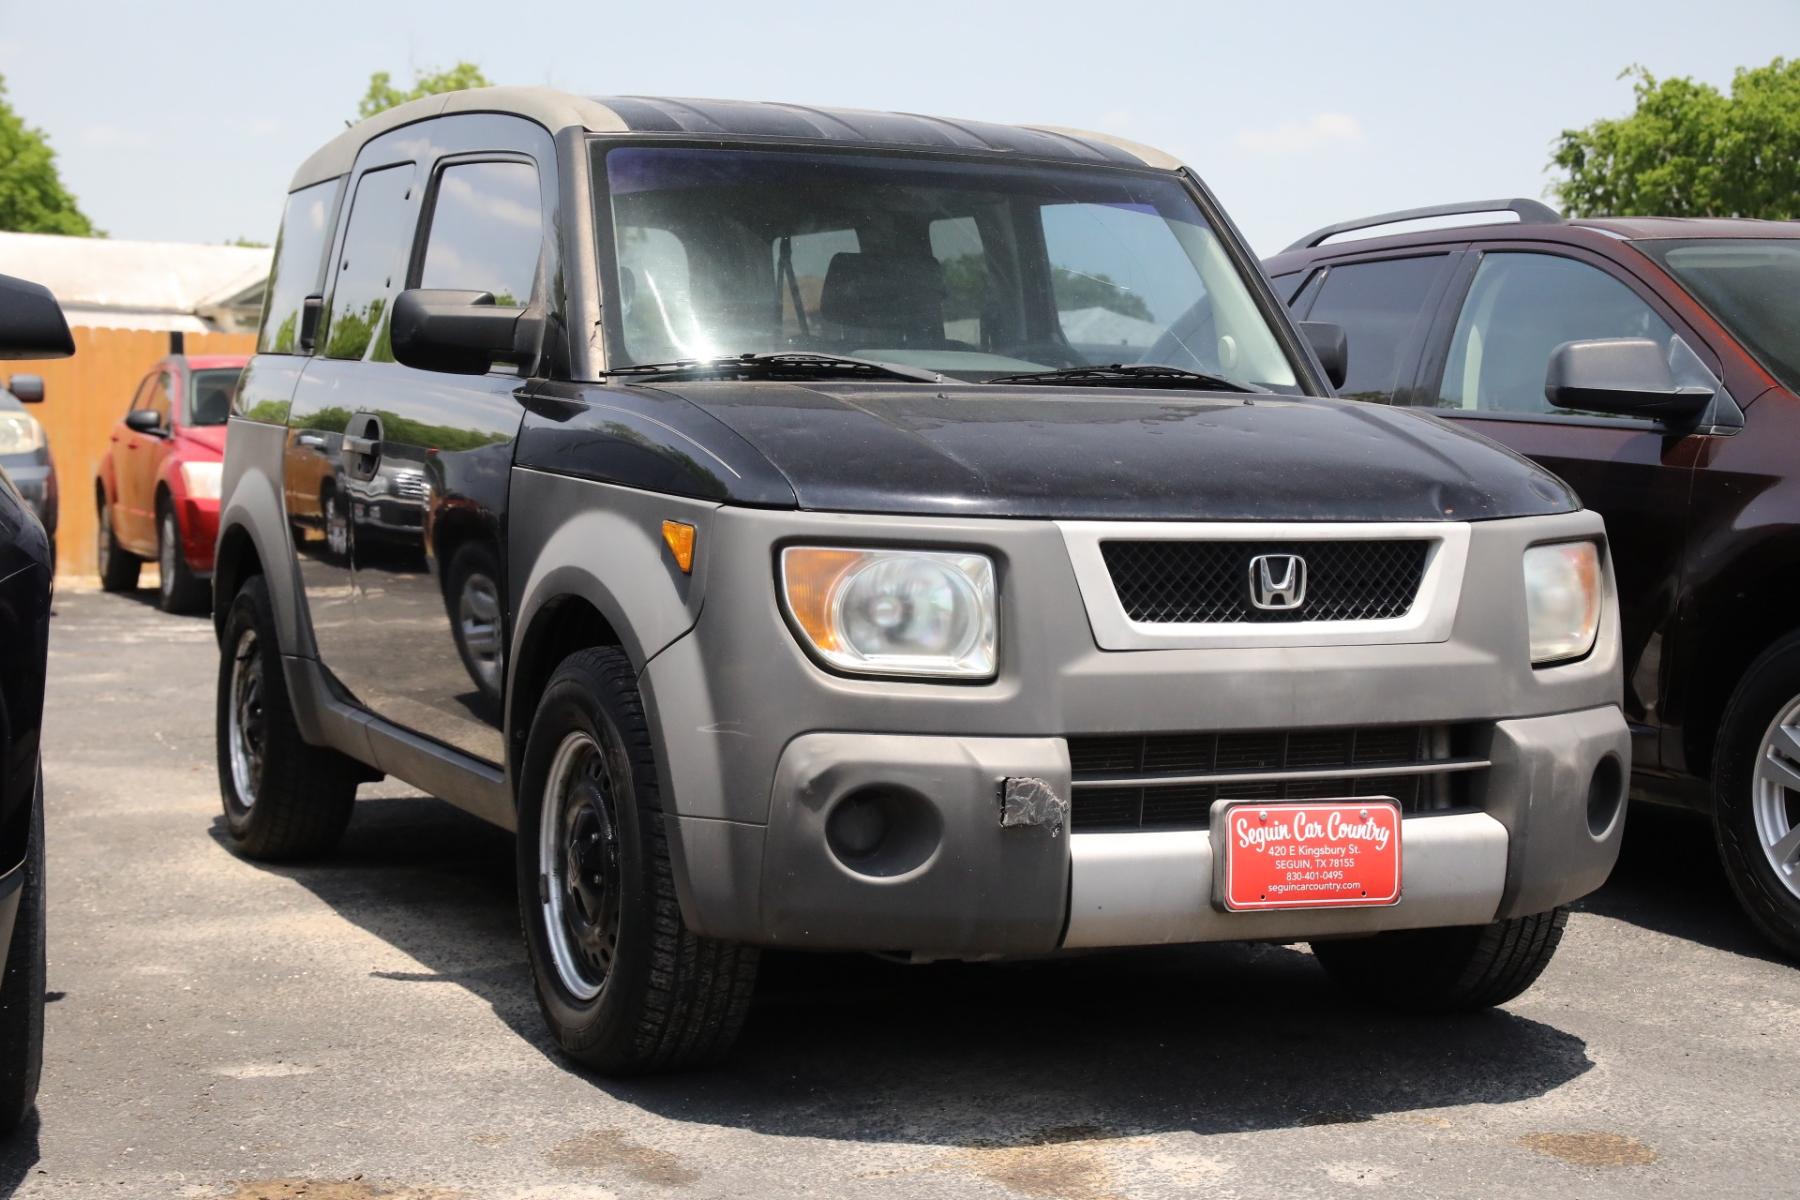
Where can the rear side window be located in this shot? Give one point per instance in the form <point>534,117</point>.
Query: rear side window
<point>1379,305</point>
<point>299,256</point>
<point>372,266</point>
<point>487,228</point>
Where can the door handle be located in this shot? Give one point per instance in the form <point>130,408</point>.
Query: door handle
<point>311,440</point>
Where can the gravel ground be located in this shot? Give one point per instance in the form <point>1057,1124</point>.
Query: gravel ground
<point>364,1028</point>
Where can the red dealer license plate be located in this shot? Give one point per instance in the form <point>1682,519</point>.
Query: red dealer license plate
<point>1308,854</point>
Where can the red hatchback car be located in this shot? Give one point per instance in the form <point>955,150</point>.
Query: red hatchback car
<point>157,491</point>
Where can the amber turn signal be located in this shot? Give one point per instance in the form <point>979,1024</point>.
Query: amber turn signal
<point>678,536</point>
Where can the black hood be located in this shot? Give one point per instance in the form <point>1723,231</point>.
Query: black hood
<point>1120,453</point>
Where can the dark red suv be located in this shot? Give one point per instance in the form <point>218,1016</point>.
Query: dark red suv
<point>1654,364</point>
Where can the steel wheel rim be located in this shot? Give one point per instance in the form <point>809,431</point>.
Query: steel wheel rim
<point>165,552</point>
<point>245,720</point>
<point>478,618</point>
<point>1775,799</point>
<point>579,866</point>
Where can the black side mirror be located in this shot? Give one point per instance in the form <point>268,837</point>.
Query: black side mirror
<point>31,322</point>
<point>1628,377</point>
<point>27,389</point>
<point>1332,348</point>
<point>144,420</point>
<point>464,333</point>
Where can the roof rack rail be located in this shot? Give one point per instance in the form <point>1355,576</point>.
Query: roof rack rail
<point>1531,212</point>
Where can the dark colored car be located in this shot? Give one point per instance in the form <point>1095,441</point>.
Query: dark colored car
<point>25,451</point>
<point>860,531</point>
<point>1654,365</point>
<point>156,490</point>
<point>31,326</point>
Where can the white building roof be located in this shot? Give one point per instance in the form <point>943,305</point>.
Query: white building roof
<point>135,285</point>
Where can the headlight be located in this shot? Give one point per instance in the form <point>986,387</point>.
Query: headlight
<point>894,612</point>
<point>201,479</point>
<point>1562,600</point>
<point>20,433</point>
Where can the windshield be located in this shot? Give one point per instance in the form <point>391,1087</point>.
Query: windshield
<point>1750,286</point>
<point>209,396</point>
<point>975,270</point>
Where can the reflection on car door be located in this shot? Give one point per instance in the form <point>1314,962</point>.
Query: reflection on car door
<point>1509,308</point>
<point>368,260</point>
<point>428,521</point>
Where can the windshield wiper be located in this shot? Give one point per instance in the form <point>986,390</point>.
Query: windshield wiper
<point>1132,375</point>
<point>789,364</point>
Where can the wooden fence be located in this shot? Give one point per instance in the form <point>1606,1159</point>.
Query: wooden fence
<point>84,397</point>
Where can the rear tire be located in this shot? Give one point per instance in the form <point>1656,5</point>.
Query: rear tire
<point>624,985</point>
<point>1457,969</point>
<point>118,568</point>
<point>284,799</point>
<point>22,987</point>
<point>1756,796</point>
<point>178,589</point>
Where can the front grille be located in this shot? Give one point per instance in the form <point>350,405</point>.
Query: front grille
<point>1192,582</point>
<point>1170,780</point>
<point>411,485</point>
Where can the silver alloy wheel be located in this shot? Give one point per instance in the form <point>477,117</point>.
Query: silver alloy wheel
<point>478,619</point>
<point>168,545</point>
<point>578,866</point>
<point>245,727</point>
<point>1775,800</point>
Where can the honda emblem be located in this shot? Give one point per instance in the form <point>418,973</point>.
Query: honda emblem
<point>1277,582</point>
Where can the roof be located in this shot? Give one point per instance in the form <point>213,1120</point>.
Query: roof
<point>1642,229</point>
<point>143,285</point>
<point>556,110</point>
<point>1633,229</point>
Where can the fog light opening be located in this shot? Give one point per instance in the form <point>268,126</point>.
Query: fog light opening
<point>1606,795</point>
<point>883,831</point>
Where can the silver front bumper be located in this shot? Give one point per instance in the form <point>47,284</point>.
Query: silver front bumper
<point>1136,889</point>
<point>1533,845</point>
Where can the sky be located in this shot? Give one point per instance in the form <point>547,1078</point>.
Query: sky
<point>183,121</point>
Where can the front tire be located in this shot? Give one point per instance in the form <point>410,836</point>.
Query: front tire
<point>1457,969</point>
<point>624,985</point>
<point>118,568</point>
<point>178,589</point>
<point>284,799</point>
<point>22,986</point>
<point>1756,793</point>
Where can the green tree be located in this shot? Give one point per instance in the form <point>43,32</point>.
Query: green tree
<point>1689,150</point>
<point>382,93</point>
<point>32,196</point>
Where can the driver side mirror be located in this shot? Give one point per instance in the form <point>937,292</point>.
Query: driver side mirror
<point>27,389</point>
<point>143,420</point>
<point>1628,377</point>
<point>31,322</point>
<point>463,333</point>
<point>1331,346</point>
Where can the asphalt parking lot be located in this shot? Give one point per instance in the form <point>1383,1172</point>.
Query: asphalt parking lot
<point>365,1027</point>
